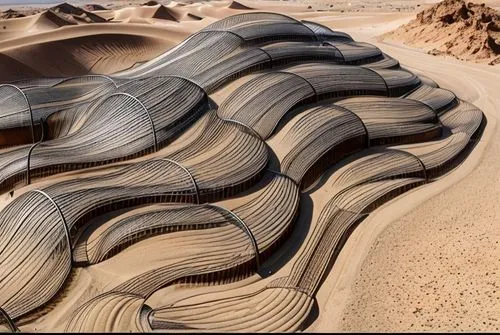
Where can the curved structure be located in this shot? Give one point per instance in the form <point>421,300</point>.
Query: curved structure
<point>218,193</point>
<point>392,119</point>
<point>221,255</point>
<point>264,100</point>
<point>320,132</point>
<point>39,102</point>
<point>15,113</point>
<point>149,181</point>
<point>325,33</point>
<point>127,126</point>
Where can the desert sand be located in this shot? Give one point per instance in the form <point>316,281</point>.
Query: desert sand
<point>419,268</point>
<point>425,260</point>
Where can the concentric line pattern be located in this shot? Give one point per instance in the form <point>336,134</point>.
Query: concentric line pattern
<point>116,234</point>
<point>35,255</point>
<point>127,126</point>
<point>324,33</point>
<point>222,250</point>
<point>243,43</point>
<point>156,180</point>
<point>26,107</point>
<point>263,101</point>
<point>319,137</point>
<point>287,117</point>
<point>394,119</point>
<point>65,104</point>
<point>357,188</point>
<point>437,98</point>
<point>15,113</point>
<point>312,134</point>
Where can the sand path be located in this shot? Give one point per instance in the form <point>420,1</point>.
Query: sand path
<point>427,260</point>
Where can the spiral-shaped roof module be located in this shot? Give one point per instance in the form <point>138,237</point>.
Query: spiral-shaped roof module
<point>126,229</point>
<point>261,27</point>
<point>464,121</point>
<point>386,62</point>
<point>33,229</point>
<point>173,103</point>
<point>438,99</point>
<point>377,166</point>
<point>394,120</point>
<point>197,53</point>
<point>264,100</point>
<point>312,134</point>
<point>324,33</point>
<point>399,82</point>
<point>340,80</point>
<point>15,109</point>
<point>356,52</point>
<point>21,108</point>
<point>438,154</point>
<point>464,118</point>
<point>120,126</point>
<point>131,229</point>
<point>147,179</point>
<point>235,156</point>
<point>284,52</point>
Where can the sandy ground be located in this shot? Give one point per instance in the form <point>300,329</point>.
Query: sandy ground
<point>429,260</point>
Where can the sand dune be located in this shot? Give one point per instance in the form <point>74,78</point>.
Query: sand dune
<point>56,43</point>
<point>238,5</point>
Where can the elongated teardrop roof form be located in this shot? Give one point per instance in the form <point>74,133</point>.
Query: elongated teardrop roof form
<point>15,108</point>
<point>324,33</point>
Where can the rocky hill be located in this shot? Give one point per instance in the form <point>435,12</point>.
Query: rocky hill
<point>462,29</point>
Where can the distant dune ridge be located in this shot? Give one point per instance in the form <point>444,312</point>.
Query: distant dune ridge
<point>462,29</point>
<point>11,14</point>
<point>238,5</point>
<point>167,14</point>
<point>68,11</point>
<point>90,42</point>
